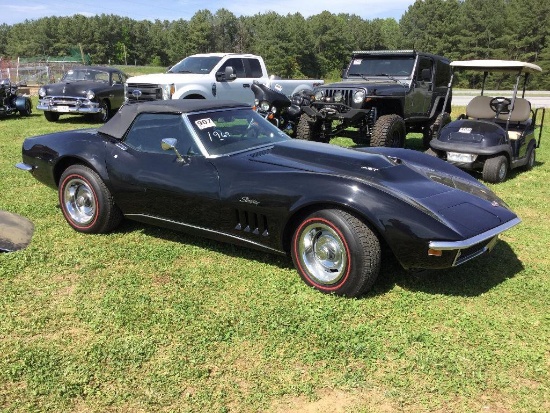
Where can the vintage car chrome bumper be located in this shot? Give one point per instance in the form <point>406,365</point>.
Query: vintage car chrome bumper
<point>475,246</point>
<point>66,104</point>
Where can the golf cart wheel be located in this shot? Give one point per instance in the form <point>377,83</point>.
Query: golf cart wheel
<point>389,130</point>
<point>495,169</point>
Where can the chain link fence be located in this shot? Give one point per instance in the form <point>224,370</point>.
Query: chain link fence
<point>35,72</point>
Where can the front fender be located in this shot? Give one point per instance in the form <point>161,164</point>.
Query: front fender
<point>194,89</point>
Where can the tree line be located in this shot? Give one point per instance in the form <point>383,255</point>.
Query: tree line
<point>295,46</point>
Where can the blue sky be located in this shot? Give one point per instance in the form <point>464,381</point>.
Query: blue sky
<point>16,11</point>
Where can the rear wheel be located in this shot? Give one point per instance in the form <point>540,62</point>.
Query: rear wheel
<point>335,252</point>
<point>51,116</point>
<point>531,158</point>
<point>389,130</point>
<point>495,169</point>
<point>430,132</point>
<point>86,202</point>
<point>28,108</point>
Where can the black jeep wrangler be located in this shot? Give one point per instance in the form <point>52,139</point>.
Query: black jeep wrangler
<point>383,95</point>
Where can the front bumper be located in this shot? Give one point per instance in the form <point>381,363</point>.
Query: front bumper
<point>475,246</point>
<point>68,105</point>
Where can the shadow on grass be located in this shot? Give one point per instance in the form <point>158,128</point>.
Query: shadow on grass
<point>472,279</point>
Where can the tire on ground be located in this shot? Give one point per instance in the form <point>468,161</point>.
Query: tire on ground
<point>389,130</point>
<point>308,130</point>
<point>495,169</point>
<point>86,202</point>
<point>431,131</point>
<point>335,252</point>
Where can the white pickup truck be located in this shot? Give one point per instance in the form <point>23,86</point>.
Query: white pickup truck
<point>211,76</point>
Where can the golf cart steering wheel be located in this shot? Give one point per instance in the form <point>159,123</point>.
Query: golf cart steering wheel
<point>500,105</point>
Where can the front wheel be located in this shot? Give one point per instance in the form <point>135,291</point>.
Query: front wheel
<point>104,113</point>
<point>495,169</point>
<point>307,129</point>
<point>86,202</point>
<point>389,130</point>
<point>335,252</point>
<point>51,116</point>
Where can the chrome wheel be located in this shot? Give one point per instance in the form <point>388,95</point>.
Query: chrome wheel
<point>79,201</point>
<point>323,253</point>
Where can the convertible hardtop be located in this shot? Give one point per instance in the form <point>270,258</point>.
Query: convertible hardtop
<point>121,121</point>
<point>513,66</point>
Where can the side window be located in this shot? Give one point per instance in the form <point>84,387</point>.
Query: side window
<point>148,130</point>
<point>423,64</point>
<point>237,66</point>
<point>254,68</point>
<point>116,79</point>
<point>442,74</point>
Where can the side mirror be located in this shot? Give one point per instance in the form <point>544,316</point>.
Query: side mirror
<point>229,74</point>
<point>170,144</point>
<point>426,75</point>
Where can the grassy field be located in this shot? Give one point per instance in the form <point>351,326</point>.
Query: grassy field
<point>149,320</point>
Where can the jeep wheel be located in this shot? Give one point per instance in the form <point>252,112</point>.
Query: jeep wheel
<point>389,130</point>
<point>308,130</point>
<point>432,131</point>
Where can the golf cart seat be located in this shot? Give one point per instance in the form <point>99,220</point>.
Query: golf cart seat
<point>519,118</point>
<point>479,108</point>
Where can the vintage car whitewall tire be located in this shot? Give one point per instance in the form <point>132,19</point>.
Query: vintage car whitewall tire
<point>335,252</point>
<point>86,202</point>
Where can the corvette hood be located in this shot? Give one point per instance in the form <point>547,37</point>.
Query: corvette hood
<point>424,181</point>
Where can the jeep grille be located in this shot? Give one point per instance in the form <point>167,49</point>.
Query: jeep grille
<point>347,95</point>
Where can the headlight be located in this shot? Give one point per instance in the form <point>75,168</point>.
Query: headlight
<point>264,106</point>
<point>42,92</point>
<point>168,91</point>
<point>359,96</point>
<point>90,95</point>
<point>338,96</point>
<point>319,95</point>
<point>461,157</point>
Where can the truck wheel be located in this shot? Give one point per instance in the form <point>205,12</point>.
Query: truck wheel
<point>432,131</point>
<point>308,130</point>
<point>495,169</point>
<point>389,130</point>
<point>51,116</point>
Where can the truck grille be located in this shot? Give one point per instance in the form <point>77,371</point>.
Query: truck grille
<point>143,91</point>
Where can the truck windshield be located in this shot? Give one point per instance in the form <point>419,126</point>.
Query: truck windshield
<point>195,64</point>
<point>381,66</point>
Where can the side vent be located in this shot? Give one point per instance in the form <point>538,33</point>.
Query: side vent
<point>251,222</point>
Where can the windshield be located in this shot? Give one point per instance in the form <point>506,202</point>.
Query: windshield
<point>195,64</point>
<point>382,66</point>
<point>234,130</point>
<point>86,74</point>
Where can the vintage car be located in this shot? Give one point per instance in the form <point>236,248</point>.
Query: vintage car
<point>220,170</point>
<point>84,90</point>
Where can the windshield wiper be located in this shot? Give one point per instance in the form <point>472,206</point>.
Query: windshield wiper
<point>388,76</point>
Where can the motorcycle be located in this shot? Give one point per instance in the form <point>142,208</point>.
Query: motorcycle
<point>277,108</point>
<point>11,102</point>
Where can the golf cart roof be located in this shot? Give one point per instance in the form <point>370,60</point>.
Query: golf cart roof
<point>497,66</point>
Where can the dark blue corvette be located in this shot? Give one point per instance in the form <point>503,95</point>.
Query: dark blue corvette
<point>218,169</point>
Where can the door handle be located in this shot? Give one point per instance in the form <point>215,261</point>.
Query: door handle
<point>246,84</point>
